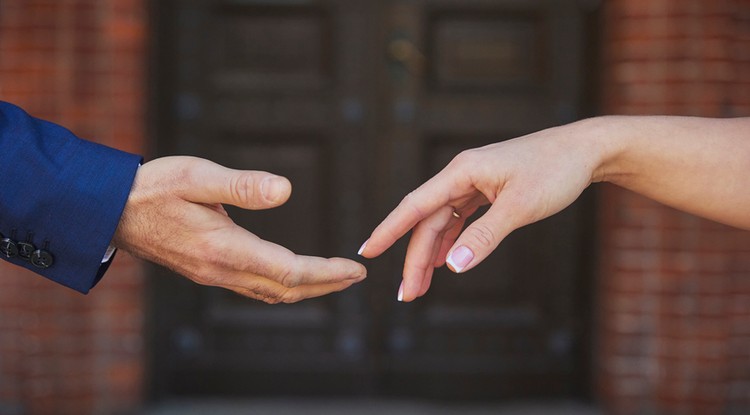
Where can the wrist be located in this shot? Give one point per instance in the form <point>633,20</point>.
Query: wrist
<point>605,144</point>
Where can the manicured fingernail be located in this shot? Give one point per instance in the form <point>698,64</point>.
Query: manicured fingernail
<point>273,188</point>
<point>401,292</point>
<point>362,248</point>
<point>460,258</point>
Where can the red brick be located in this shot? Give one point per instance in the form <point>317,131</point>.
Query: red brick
<point>52,346</point>
<point>684,58</point>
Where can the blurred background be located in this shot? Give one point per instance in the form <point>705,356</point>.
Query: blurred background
<point>616,305</point>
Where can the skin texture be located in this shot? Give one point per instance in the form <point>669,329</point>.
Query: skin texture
<point>698,165</point>
<point>174,217</point>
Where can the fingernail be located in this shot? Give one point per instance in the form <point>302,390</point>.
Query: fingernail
<point>460,258</point>
<point>273,188</point>
<point>401,292</point>
<point>362,248</point>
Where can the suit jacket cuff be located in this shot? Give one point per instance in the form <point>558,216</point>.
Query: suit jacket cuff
<point>66,195</point>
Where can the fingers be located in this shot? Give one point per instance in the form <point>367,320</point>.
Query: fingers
<point>243,256</point>
<point>296,284</point>
<point>269,272</point>
<point>274,293</point>
<point>427,280</point>
<point>416,206</point>
<point>309,270</point>
<point>212,183</point>
<point>480,238</point>
<point>311,291</point>
<point>449,238</point>
<point>420,254</point>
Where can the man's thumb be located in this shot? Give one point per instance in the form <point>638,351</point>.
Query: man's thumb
<point>253,189</point>
<point>275,190</point>
<point>212,183</point>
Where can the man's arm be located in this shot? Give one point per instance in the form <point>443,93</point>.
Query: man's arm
<point>71,198</point>
<point>60,195</point>
<point>695,164</point>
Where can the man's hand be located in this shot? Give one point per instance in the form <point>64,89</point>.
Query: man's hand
<point>174,217</point>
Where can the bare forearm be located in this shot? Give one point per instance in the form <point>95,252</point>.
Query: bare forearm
<point>699,165</point>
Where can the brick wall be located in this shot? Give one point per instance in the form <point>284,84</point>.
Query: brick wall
<point>78,63</point>
<point>674,290</point>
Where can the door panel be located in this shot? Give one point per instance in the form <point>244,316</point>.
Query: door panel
<point>484,49</point>
<point>254,87</point>
<point>357,103</point>
<point>270,48</point>
<point>464,74</point>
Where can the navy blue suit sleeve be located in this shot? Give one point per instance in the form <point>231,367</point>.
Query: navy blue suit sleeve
<point>61,193</point>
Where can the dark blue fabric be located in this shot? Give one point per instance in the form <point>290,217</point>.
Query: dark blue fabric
<point>69,193</point>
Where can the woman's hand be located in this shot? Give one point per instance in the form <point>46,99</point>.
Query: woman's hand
<point>525,179</point>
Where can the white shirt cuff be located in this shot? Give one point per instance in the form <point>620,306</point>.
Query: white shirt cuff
<point>108,255</point>
<point>111,249</point>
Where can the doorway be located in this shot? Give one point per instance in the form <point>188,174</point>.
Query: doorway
<point>357,103</point>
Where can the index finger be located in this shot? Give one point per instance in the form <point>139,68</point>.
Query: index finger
<point>416,206</point>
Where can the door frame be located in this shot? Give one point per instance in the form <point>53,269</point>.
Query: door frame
<point>161,52</point>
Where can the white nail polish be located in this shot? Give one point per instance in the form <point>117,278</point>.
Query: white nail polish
<point>453,266</point>
<point>401,292</point>
<point>459,258</point>
<point>362,248</point>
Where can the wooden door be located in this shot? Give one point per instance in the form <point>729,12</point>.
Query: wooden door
<point>464,74</point>
<point>358,102</point>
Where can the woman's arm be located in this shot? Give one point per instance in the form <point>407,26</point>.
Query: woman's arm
<point>698,165</point>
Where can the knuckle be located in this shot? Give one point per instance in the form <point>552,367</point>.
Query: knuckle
<point>210,275</point>
<point>418,267</point>
<point>417,211</point>
<point>464,157</point>
<point>290,296</point>
<point>206,274</point>
<point>287,275</point>
<point>271,300</point>
<point>242,188</point>
<point>261,292</point>
<point>186,172</point>
<point>482,234</point>
<point>410,202</point>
